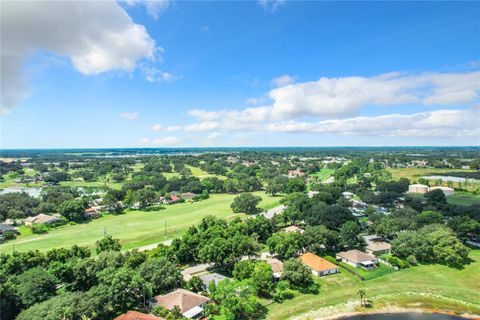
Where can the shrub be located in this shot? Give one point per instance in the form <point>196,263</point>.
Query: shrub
<point>39,228</point>
<point>331,259</point>
<point>9,235</point>
<point>412,260</point>
<point>397,262</point>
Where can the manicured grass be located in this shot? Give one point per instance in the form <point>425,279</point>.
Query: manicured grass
<point>97,184</point>
<point>9,180</point>
<point>201,174</point>
<point>426,286</point>
<point>464,199</point>
<point>323,174</point>
<point>135,228</point>
<point>372,274</point>
<point>415,173</point>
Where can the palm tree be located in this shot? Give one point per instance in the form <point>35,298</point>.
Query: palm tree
<point>362,293</point>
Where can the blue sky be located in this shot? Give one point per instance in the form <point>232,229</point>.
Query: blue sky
<point>269,73</point>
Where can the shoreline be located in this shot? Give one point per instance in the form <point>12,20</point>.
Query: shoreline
<point>394,310</point>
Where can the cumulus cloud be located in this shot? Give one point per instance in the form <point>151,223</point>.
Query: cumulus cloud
<point>270,6</point>
<point>283,80</point>
<point>153,74</point>
<point>439,123</point>
<point>96,36</point>
<point>154,7</point>
<point>343,97</point>
<point>129,115</point>
<point>164,141</point>
<point>159,127</point>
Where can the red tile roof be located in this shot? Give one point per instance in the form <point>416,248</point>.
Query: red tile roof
<point>135,315</point>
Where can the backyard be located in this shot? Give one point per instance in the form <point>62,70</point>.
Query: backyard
<point>426,286</point>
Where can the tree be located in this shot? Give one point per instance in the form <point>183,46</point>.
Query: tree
<point>277,185</point>
<point>436,198</point>
<point>262,279</point>
<point>237,300</point>
<point>108,243</point>
<point>446,248</point>
<point>195,284</point>
<point>362,293</point>
<point>34,285</point>
<point>162,274</point>
<point>285,244</point>
<point>73,210</point>
<point>145,197</point>
<point>430,217</point>
<point>295,185</point>
<point>296,273</point>
<point>350,235</point>
<point>243,269</point>
<point>246,202</point>
<point>319,239</point>
<point>465,227</point>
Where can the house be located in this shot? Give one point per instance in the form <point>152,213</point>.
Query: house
<point>375,245</point>
<point>170,199</point>
<point>191,304</point>
<point>312,194</point>
<point>359,205</point>
<point>446,190</point>
<point>293,229</point>
<point>6,228</point>
<point>319,266</point>
<point>347,195</point>
<point>135,315</point>
<point>417,188</point>
<point>295,173</point>
<point>41,219</point>
<point>188,195</point>
<point>91,213</point>
<point>358,259</point>
<point>277,267</point>
<point>209,277</point>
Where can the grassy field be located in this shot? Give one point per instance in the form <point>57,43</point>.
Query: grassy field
<point>425,286</point>
<point>201,174</point>
<point>323,174</point>
<point>463,199</point>
<point>9,180</point>
<point>415,173</point>
<point>134,228</point>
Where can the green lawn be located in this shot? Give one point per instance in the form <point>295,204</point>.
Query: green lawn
<point>96,184</point>
<point>463,199</point>
<point>134,228</point>
<point>426,286</point>
<point>9,180</point>
<point>323,174</point>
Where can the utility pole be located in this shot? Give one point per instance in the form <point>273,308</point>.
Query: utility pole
<point>165,235</point>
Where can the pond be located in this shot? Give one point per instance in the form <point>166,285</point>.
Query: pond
<point>33,192</point>
<point>403,316</point>
<point>446,178</point>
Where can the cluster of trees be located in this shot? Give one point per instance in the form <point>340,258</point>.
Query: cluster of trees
<point>93,287</point>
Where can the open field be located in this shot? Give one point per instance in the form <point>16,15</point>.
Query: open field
<point>425,286</point>
<point>201,174</point>
<point>323,174</point>
<point>415,173</point>
<point>462,199</point>
<point>135,228</point>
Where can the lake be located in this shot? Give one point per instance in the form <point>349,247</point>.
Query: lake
<point>33,192</point>
<point>403,316</point>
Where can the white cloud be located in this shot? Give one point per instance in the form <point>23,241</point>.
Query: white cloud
<point>154,7</point>
<point>438,123</point>
<point>342,97</point>
<point>153,74</point>
<point>97,36</point>
<point>159,127</point>
<point>270,6</point>
<point>283,80</point>
<point>164,141</point>
<point>129,115</point>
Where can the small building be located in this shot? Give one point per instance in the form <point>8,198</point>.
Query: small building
<point>295,173</point>
<point>293,229</point>
<point>41,219</point>
<point>91,213</point>
<point>319,266</point>
<point>417,188</point>
<point>135,315</point>
<point>188,195</point>
<point>376,246</point>
<point>7,228</point>
<point>347,194</point>
<point>359,205</point>
<point>277,267</point>
<point>312,194</point>
<point>358,259</point>
<point>209,277</point>
<point>191,304</point>
<point>446,190</point>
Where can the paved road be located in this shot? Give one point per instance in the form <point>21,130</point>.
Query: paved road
<point>269,214</point>
<point>154,245</point>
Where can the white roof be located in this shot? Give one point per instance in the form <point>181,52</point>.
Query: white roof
<point>418,185</point>
<point>441,188</point>
<point>193,312</point>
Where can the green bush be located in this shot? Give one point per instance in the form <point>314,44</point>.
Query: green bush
<point>412,260</point>
<point>39,228</point>
<point>330,259</point>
